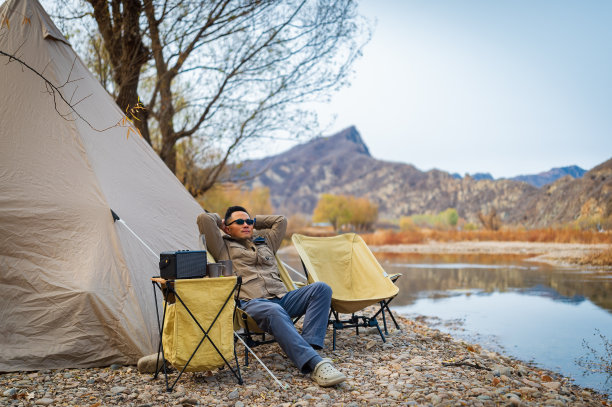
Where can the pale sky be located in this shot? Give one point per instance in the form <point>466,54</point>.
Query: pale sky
<point>507,86</point>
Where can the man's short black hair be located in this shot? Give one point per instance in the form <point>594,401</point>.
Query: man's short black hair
<point>232,209</point>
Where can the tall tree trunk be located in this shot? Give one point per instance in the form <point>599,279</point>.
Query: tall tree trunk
<point>128,103</point>
<point>166,125</point>
<point>120,28</point>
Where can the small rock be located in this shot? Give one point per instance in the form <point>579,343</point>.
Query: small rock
<point>233,395</point>
<point>477,391</point>
<point>503,370</point>
<point>10,392</point>
<point>118,389</point>
<point>370,344</point>
<point>394,394</point>
<point>239,404</point>
<point>511,396</point>
<point>514,401</point>
<point>44,402</point>
<point>149,363</point>
<point>530,383</point>
<point>552,385</point>
<point>528,390</point>
<point>115,366</point>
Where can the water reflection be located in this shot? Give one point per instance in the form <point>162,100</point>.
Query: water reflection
<point>531,311</point>
<point>431,276</point>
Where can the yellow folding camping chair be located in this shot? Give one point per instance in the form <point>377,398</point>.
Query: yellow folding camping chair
<point>356,278</point>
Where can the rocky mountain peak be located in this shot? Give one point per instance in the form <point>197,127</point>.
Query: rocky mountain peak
<point>347,141</point>
<point>341,164</point>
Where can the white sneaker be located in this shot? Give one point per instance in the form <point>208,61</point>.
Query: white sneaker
<point>325,374</point>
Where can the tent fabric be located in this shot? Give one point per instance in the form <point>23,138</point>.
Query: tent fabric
<point>204,298</point>
<point>76,286</point>
<point>348,266</point>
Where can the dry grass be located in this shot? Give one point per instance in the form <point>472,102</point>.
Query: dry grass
<point>549,235</point>
<point>602,258</point>
<point>383,237</point>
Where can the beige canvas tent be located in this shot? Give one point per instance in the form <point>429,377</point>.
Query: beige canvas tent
<point>75,286</point>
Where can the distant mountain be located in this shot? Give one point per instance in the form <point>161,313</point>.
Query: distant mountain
<point>537,180</point>
<point>547,177</point>
<point>476,176</point>
<point>342,164</point>
<point>570,198</point>
<point>481,175</point>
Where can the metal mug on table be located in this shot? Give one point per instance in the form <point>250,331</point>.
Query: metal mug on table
<point>228,270</point>
<point>214,269</point>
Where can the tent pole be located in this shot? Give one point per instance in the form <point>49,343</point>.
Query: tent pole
<point>282,386</point>
<point>117,218</point>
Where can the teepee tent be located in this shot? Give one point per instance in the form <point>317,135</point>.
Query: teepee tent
<point>75,285</point>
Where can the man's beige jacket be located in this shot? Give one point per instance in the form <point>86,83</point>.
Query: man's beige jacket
<point>255,263</point>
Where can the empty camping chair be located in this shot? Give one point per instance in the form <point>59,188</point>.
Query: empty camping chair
<point>357,280</point>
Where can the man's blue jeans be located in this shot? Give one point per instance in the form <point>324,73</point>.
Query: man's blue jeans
<point>275,317</point>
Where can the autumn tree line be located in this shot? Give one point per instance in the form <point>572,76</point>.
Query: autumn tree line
<point>346,213</point>
<point>340,212</point>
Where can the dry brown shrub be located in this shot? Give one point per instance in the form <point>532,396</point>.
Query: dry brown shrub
<point>550,235</point>
<point>385,237</point>
<point>601,258</point>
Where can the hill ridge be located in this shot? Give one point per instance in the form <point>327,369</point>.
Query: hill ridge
<point>342,164</point>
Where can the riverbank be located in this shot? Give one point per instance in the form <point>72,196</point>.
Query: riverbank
<point>417,365</point>
<point>557,254</point>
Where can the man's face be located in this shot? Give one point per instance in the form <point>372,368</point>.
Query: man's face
<point>243,231</point>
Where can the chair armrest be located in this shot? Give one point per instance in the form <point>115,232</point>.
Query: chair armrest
<point>394,277</point>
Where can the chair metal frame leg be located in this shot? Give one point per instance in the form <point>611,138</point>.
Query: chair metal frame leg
<point>384,305</point>
<point>160,347</point>
<point>170,290</point>
<point>353,322</point>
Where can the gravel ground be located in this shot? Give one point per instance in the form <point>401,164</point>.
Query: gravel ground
<point>417,365</point>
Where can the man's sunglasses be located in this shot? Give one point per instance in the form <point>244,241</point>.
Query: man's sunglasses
<point>242,222</point>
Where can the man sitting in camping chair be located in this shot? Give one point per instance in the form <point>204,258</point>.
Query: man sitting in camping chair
<point>251,245</point>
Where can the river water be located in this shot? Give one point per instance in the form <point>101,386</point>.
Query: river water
<point>537,313</point>
<point>534,312</point>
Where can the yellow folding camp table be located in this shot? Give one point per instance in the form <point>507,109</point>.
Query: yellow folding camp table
<point>196,332</point>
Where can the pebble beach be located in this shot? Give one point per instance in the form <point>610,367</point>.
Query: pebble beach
<point>417,365</point>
